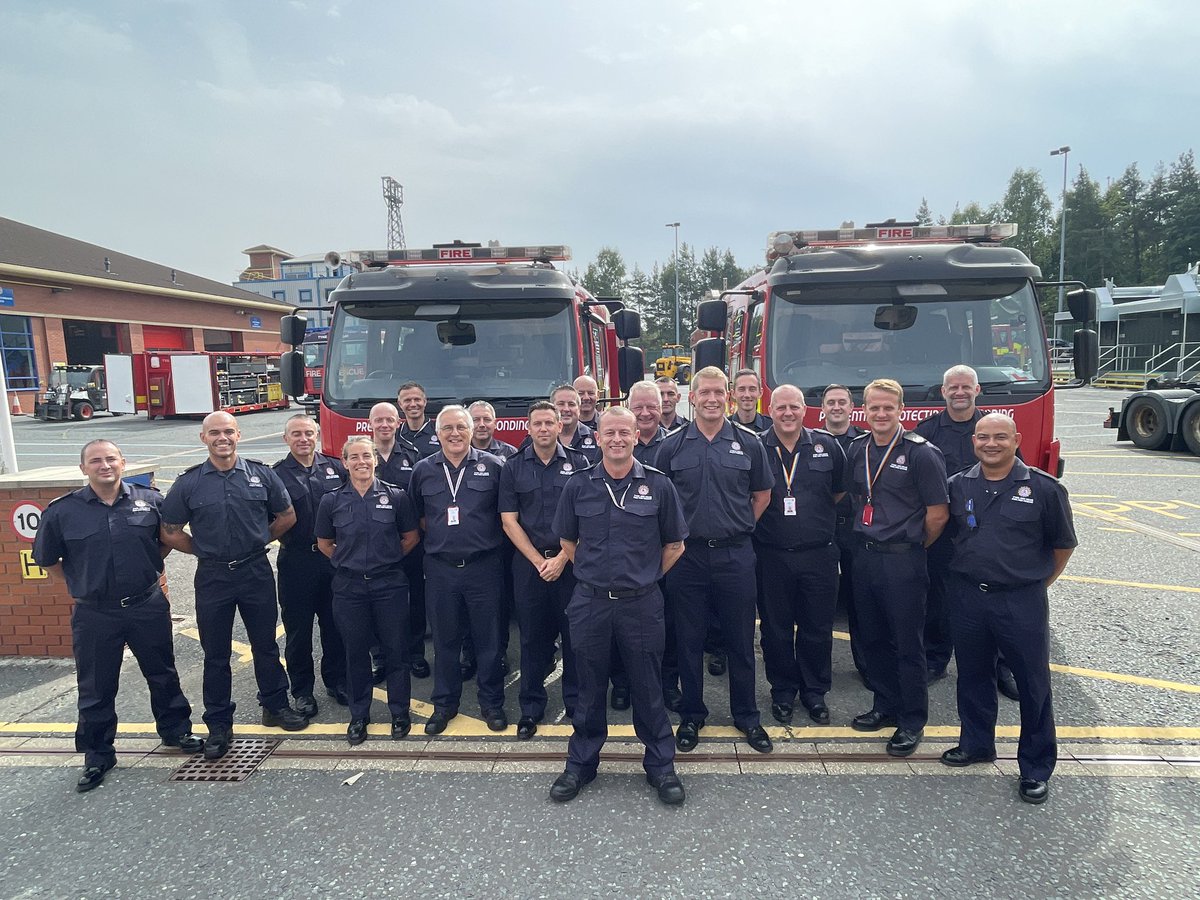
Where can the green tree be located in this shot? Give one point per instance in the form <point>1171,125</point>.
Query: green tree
<point>1123,205</point>
<point>924,216</point>
<point>1182,226</point>
<point>605,277</point>
<point>1026,204</point>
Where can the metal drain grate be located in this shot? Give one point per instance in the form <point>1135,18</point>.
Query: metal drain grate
<point>244,756</point>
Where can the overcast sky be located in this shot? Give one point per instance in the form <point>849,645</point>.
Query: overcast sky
<point>184,132</point>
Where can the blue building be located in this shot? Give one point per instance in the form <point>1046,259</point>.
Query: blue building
<point>301,281</point>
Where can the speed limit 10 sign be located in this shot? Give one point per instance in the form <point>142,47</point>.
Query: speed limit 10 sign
<point>26,517</point>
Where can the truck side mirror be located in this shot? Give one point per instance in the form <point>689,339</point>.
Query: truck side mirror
<point>1082,305</point>
<point>1087,353</point>
<point>631,367</point>
<point>711,315</point>
<point>291,370</point>
<point>291,330</point>
<point>709,352</point>
<point>628,324</point>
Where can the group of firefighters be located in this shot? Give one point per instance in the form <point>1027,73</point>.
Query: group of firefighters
<point>633,540</point>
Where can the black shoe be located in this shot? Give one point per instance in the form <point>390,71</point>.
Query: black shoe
<point>872,721</point>
<point>717,664</point>
<point>688,735</point>
<point>306,706</point>
<point>217,743</point>
<point>782,713</point>
<point>904,742</point>
<point>526,728</point>
<point>496,719</point>
<point>1033,791</point>
<point>672,699</point>
<point>420,668</point>
<point>566,786</point>
<point>932,675</point>
<point>357,732</point>
<point>570,712</point>
<point>466,668</point>
<point>438,721</point>
<point>1006,684</point>
<point>92,776</point>
<point>339,695</point>
<point>187,742</point>
<point>758,739</point>
<point>378,674</point>
<point>286,718</point>
<point>819,713</point>
<point>401,726</point>
<point>957,758</point>
<point>669,787</point>
<point>620,698</point>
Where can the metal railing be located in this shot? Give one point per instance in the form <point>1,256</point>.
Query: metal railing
<point>1127,357</point>
<point>1168,356</point>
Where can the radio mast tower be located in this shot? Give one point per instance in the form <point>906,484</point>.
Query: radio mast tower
<point>393,196</point>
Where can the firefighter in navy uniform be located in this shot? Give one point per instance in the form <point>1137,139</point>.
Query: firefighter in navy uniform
<point>455,492</point>
<point>483,414</point>
<point>575,434</point>
<point>305,575</point>
<point>1014,538</point>
<point>724,481</point>
<point>366,528</point>
<point>395,458</point>
<point>747,391</point>
<point>236,506</point>
<point>797,559</point>
<point>105,535</point>
<point>837,403</point>
<point>622,525</point>
<point>899,484</point>
<point>416,428</point>
<point>589,393</point>
<point>668,391</point>
<point>543,578</point>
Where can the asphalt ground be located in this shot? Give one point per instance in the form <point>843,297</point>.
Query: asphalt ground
<point>826,815</point>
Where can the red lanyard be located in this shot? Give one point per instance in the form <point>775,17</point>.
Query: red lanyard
<point>867,461</point>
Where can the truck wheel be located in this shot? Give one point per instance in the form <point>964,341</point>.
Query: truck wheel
<point>684,375</point>
<point>1190,424</point>
<point>1147,424</point>
<point>83,410</point>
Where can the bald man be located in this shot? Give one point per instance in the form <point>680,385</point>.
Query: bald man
<point>589,393</point>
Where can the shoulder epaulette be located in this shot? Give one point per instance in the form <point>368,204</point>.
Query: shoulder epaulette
<point>1042,472</point>
<point>192,468</point>
<point>745,428</point>
<point>914,437</point>
<point>258,462</point>
<point>63,497</point>
<point>654,470</point>
<point>859,437</point>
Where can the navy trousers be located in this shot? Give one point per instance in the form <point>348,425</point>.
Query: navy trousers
<point>636,625</point>
<point>305,595</point>
<point>845,544</point>
<point>465,600</point>
<point>1016,623</point>
<point>796,605</point>
<point>889,591</point>
<point>716,583</point>
<point>250,592</point>
<point>373,612</point>
<point>939,640</point>
<point>100,633</point>
<point>541,610</point>
<point>414,573</point>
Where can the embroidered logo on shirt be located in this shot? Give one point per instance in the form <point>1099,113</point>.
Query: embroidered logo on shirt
<point>141,506</point>
<point>566,469</point>
<point>383,500</point>
<point>1024,494</point>
<point>254,479</point>
<point>329,471</point>
<point>588,442</point>
<point>735,447</point>
<point>819,450</point>
<point>643,492</point>
<point>481,468</point>
<point>433,439</point>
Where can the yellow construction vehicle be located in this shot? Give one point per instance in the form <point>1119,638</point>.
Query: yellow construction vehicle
<point>674,363</point>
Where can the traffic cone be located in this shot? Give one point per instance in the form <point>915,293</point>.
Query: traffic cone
<point>15,407</point>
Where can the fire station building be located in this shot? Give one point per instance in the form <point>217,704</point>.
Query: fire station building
<point>67,301</point>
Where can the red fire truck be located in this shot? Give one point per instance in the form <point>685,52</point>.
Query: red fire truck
<point>316,341</point>
<point>186,383</point>
<point>467,322</point>
<point>895,300</point>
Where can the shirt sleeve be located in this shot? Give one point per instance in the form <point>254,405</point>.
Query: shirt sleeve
<point>507,501</point>
<point>277,496</point>
<point>566,523</point>
<point>931,476</point>
<point>323,526</point>
<point>839,483</point>
<point>48,546</point>
<point>406,513</point>
<point>174,509</point>
<point>1060,522</point>
<point>414,489</point>
<point>761,477</point>
<point>672,524</point>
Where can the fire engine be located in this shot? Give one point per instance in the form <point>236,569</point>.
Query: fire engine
<point>903,301</point>
<point>316,341</point>
<point>168,383</point>
<point>468,322</point>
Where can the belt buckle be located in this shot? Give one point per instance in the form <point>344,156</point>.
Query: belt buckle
<point>314,549</point>
<point>124,601</point>
<point>461,564</point>
<point>612,595</point>
<point>232,565</point>
<point>985,588</point>
<point>712,544</point>
<point>549,554</point>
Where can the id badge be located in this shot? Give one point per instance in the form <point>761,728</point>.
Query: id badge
<point>451,515</point>
<point>868,515</point>
<point>789,506</point>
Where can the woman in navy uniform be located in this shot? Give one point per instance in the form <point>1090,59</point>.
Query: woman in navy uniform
<point>366,528</point>
<point>105,535</point>
<point>622,525</point>
<point>1014,538</point>
<point>900,507</point>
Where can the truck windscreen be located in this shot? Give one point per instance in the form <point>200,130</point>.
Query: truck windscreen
<point>824,334</point>
<point>314,353</point>
<point>478,349</point>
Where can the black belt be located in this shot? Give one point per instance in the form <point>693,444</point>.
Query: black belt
<point>800,548</point>
<point>123,602</point>
<point>387,572</point>
<point>623,594</point>
<point>237,563</point>
<point>891,546</point>
<point>550,554</point>
<point>299,548</point>
<point>718,543</point>
<point>992,587</point>
<point>459,560</point>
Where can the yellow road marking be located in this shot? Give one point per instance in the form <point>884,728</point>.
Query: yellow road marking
<point>1135,474</point>
<point>1097,511</point>
<point>1093,497</point>
<point>1135,584</point>
<point>1122,530</point>
<point>245,653</point>
<point>1127,679</point>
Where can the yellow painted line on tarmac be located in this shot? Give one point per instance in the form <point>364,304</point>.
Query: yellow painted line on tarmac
<point>1127,679</point>
<point>245,654</point>
<point>1083,579</point>
<point>1121,530</point>
<point>1093,497</point>
<point>1097,511</point>
<point>1134,474</point>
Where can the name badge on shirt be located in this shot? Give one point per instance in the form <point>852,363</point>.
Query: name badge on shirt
<point>451,515</point>
<point>868,515</point>
<point>789,506</point>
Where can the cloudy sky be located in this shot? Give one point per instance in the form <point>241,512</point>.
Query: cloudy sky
<point>183,131</point>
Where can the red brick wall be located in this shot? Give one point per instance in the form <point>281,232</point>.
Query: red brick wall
<point>35,615</point>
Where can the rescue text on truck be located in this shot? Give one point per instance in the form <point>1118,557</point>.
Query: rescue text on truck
<point>902,301</point>
<point>468,323</point>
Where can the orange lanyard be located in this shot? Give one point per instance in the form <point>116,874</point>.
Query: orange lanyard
<point>883,462</point>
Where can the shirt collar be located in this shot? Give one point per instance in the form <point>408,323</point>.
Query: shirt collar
<point>239,465</point>
<point>598,471</point>
<point>1020,471</point>
<point>89,495</point>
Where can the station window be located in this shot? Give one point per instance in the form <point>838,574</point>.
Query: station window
<point>278,295</point>
<point>16,345</point>
<point>306,296</point>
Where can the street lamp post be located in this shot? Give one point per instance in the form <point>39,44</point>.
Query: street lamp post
<point>1062,151</point>
<point>675,225</point>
